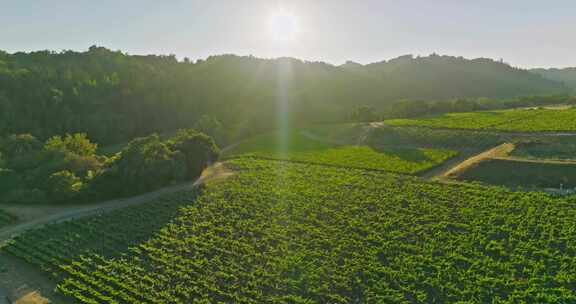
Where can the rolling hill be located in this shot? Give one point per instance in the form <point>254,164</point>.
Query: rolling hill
<point>114,96</point>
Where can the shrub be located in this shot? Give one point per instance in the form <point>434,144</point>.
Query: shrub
<point>199,150</point>
<point>63,185</point>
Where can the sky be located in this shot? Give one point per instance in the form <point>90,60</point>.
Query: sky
<point>525,33</point>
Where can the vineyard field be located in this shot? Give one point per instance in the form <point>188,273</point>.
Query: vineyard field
<point>299,148</point>
<point>106,235</point>
<point>554,148</point>
<point>282,232</point>
<point>522,174</point>
<point>523,120</point>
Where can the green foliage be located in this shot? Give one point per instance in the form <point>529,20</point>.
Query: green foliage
<point>7,218</point>
<point>8,180</point>
<point>17,145</point>
<point>400,160</point>
<point>525,120</point>
<point>364,114</point>
<point>563,147</point>
<point>295,146</point>
<point>108,235</point>
<point>148,163</point>
<point>68,168</point>
<point>115,97</point>
<point>199,150</point>
<point>25,196</point>
<point>566,75</point>
<point>523,174</point>
<point>409,108</point>
<point>77,144</point>
<point>387,136</point>
<point>211,127</point>
<point>145,163</point>
<point>63,186</point>
<point>278,142</point>
<point>282,232</point>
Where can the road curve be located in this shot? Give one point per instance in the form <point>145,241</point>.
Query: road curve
<point>77,212</point>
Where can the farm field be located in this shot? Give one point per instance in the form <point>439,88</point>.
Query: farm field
<point>524,174</point>
<point>547,148</point>
<point>106,235</point>
<point>300,148</point>
<point>522,120</point>
<point>283,232</point>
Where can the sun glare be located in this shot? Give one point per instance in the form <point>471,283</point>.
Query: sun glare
<point>283,26</point>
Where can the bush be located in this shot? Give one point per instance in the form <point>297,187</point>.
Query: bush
<point>18,145</point>
<point>199,150</point>
<point>144,164</point>
<point>63,186</point>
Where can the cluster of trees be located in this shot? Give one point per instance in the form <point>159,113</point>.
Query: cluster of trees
<point>416,108</point>
<point>115,97</point>
<point>64,168</point>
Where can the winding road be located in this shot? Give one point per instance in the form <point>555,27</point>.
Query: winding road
<point>81,211</point>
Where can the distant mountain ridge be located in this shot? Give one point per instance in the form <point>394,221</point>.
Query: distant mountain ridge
<point>114,96</point>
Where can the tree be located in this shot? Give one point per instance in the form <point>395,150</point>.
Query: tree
<point>63,186</point>
<point>364,114</point>
<point>199,150</point>
<point>146,163</point>
<point>78,144</point>
<point>212,127</point>
<point>19,144</point>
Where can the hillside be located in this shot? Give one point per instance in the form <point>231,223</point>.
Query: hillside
<point>114,97</point>
<point>566,76</point>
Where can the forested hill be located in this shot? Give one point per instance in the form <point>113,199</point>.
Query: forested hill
<point>566,75</point>
<point>114,97</point>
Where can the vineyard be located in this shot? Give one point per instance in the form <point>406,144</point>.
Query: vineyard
<point>541,120</point>
<point>281,232</point>
<point>105,234</point>
<point>558,148</point>
<point>523,174</point>
<point>299,148</point>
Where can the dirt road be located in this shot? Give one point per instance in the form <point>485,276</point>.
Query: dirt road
<point>82,211</point>
<point>499,151</point>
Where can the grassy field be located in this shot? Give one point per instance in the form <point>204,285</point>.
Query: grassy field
<point>294,146</point>
<point>525,174</point>
<point>281,232</point>
<point>522,120</point>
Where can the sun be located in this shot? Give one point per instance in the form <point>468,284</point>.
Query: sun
<point>283,26</point>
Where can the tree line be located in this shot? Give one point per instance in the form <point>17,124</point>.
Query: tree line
<point>407,108</point>
<point>68,168</point>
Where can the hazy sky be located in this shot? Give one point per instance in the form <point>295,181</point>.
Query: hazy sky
<point>525,33</point>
